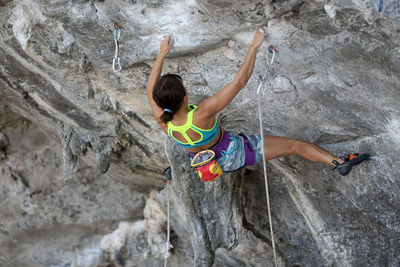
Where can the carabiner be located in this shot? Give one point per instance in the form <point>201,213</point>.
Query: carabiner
<point>167,173</point>
<point>118,64</point>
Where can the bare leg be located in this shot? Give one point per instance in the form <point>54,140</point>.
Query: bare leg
<point>276,147</point>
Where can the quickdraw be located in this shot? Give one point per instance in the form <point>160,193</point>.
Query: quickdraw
<point>116,65</point>
<point>380,5</point>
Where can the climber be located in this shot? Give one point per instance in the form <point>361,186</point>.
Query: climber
<point>196,128</point>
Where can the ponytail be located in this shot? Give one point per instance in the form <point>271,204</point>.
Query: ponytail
<point>168,94</point>
<point>167,116</point>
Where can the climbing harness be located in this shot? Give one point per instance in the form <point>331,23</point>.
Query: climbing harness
<point>116,59</point>
<point>168,246</point>
<point>380,5</point>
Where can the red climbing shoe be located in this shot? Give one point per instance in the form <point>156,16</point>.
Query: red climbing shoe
<point>348,163</point>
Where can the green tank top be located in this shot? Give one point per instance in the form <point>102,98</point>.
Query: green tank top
<point>206,136</point>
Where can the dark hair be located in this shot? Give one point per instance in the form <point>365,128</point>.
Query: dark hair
<point>168,94</point>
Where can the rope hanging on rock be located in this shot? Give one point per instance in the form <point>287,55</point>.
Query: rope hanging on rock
<point>116,65</point>
<point>168,246</point>
<point>272,50</point>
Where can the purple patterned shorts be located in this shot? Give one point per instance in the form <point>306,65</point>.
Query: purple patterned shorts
<point>235,151</point>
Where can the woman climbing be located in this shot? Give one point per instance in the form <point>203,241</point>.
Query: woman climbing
<point>196,127</point>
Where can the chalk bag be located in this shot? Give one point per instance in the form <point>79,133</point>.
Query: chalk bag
<point>206,165</point>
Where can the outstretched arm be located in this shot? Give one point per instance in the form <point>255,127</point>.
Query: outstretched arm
<point>165,47</point>
<point>212,105</point>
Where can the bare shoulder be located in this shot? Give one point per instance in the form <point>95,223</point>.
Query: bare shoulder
<point>203,117</point>
<point>205,110</point>
<point>214,104</point>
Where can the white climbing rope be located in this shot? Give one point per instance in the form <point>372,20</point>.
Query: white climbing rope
<point>272,50</point>
<point>168,245</point>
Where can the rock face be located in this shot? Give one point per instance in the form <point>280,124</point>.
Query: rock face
<point>81,156</point>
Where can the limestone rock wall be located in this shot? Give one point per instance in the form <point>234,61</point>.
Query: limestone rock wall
<point>82,156</point>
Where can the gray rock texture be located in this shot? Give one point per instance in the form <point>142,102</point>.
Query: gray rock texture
<point>81,156</point>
